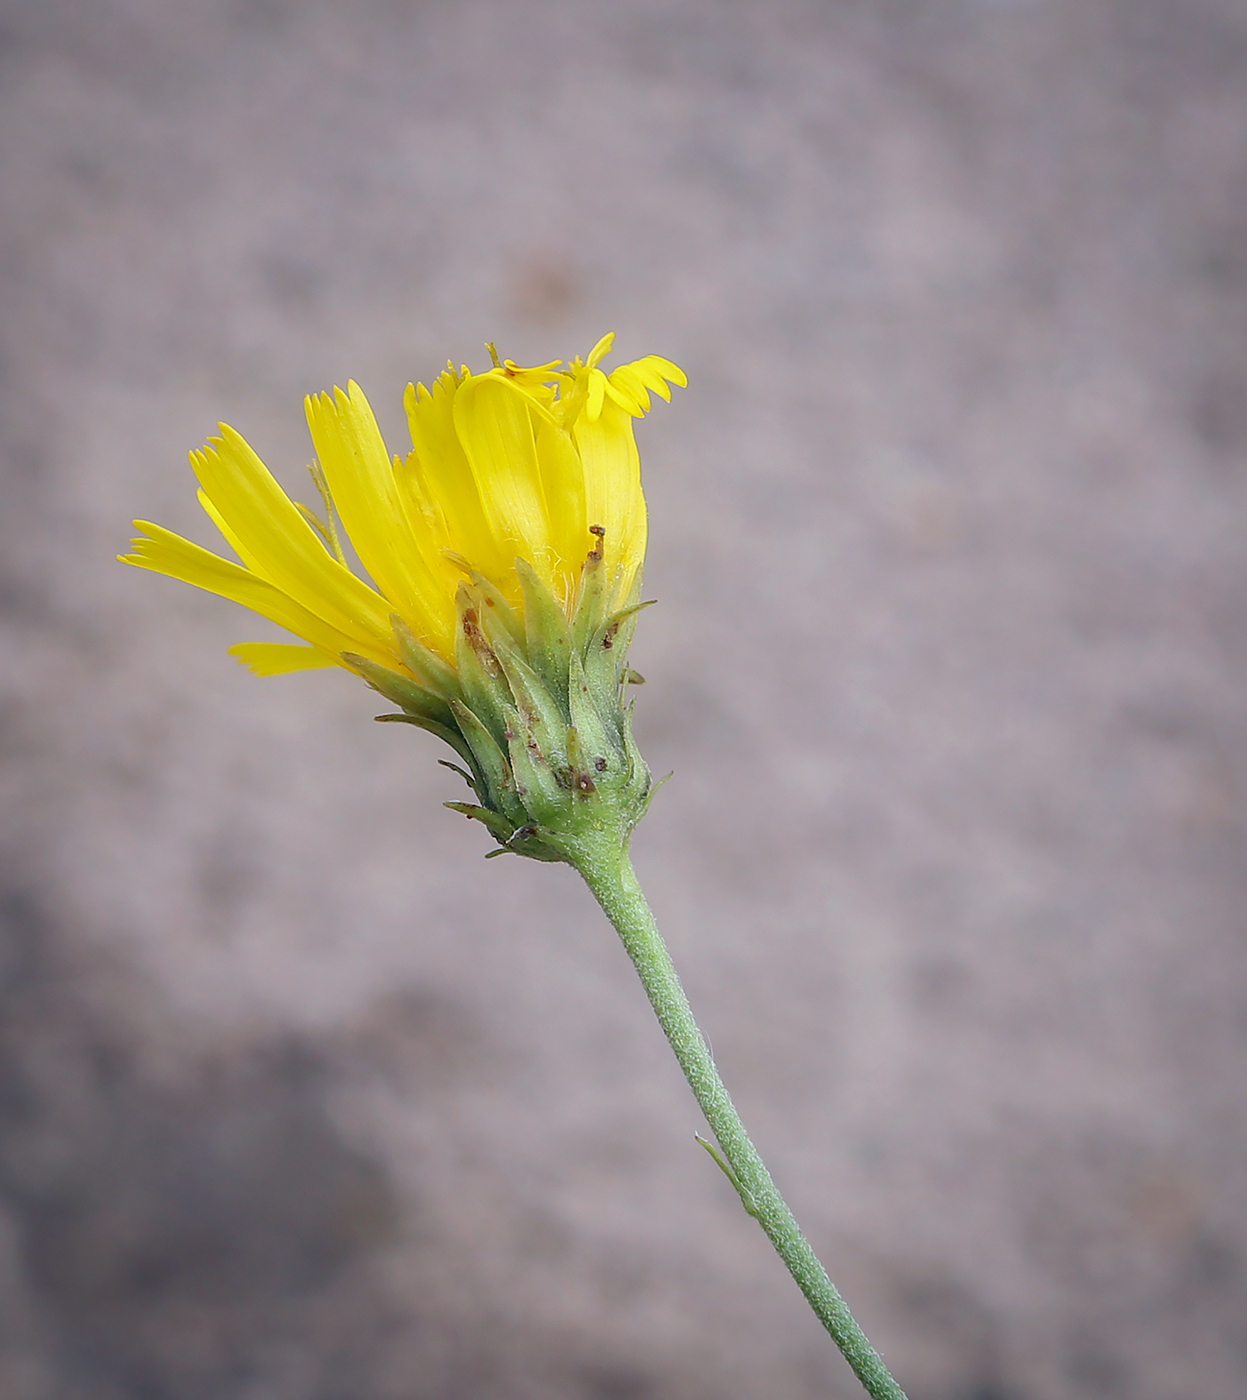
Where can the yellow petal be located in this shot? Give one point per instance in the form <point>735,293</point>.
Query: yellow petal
<point>515,462</point>
<point>437,481</point>
<point>597,392</point>
<point>166,553</point>
<point>563,482</point>
<point>539,380</point>
<point>280,658</point>
<point>613,495</point>
<point>630,385</point>
<point>494,421</point>
<point>601,349</point>
<point>357,467</point>
<point>628,390</point>
<point>278,543</point>
<point>228,533</point>
<point>655,372</point>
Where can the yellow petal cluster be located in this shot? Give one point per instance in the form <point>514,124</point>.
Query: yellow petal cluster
<point>512,463</point>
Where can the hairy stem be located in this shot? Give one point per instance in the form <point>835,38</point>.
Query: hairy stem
<point>614,884</point>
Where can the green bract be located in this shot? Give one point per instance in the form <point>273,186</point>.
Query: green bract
<point>535,707</point>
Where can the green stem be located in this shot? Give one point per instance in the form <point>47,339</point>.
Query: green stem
<point>615,886</point>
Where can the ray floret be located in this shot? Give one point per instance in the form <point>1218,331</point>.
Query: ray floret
<point>499,573</point>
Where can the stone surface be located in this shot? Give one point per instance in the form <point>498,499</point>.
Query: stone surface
<point>302,1100</point>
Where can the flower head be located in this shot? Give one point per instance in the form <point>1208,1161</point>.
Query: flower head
<point>505,555</point>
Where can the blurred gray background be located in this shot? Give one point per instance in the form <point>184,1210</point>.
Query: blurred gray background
<point>300,1098</point>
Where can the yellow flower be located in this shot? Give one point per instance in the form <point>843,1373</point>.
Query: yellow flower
<point>503,558</point>
<point>535,465</point>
